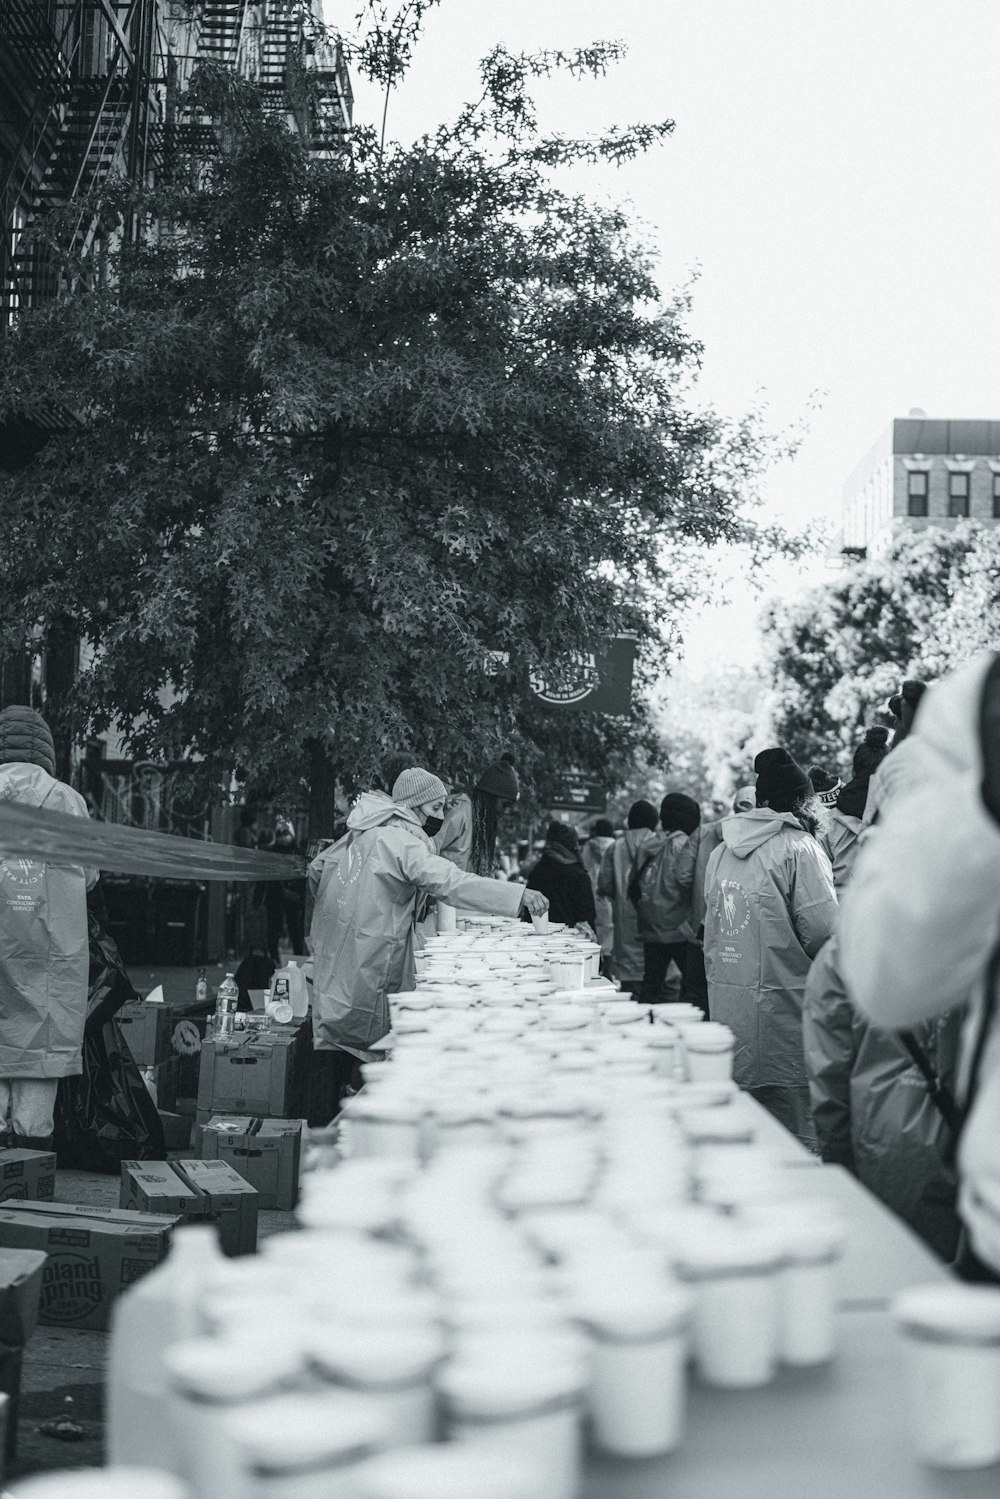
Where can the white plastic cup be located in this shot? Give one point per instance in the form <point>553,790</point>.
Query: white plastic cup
<point>813,1235</point>
<point>447,1471</point>
<point>100,1483</point>
<point>529,1411</point>
<point>569,972</point>
<point>392,1366</point>
<point>734,1275</point>
<point>541,923</point>
<point>447,918</point>
<point>383,1126</point>
<point>638,1384</point>
<point>952,1337</point>
<point>304,1446</point>
<point>708,1052</point>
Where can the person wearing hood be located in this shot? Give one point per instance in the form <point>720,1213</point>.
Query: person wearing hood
<point>692,866</point>
<point>366,888</point>
<point>664,908</point>
<point>847,813</point>
<point>620,863</point>
<point>769,907</point>
<point>44,943</point>
<point>562,879</point>
<point>900,766</point>
<point>602,837</point>
<point>920,920</point>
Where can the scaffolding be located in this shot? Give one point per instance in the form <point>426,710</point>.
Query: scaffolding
<point>93,90</point>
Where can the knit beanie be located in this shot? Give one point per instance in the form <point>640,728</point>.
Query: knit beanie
<point>826,786</point>
<point>869,755</point>
<point>602,828</point>
<point>414,787</point>
<point>500,780</point>
<point>780,779</point>
<point>642,815</point>
<point>679,813</point>
<point>25,737</point>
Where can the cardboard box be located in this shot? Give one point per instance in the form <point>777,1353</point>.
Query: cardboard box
<point>27,1175</point>
<point>260,1073</point>
<point>230,1201</point>
<point>93,1255</point>
<point>165,1080</point>
<point>185,1188</point>
<point>267,1152</point>
<point>147,1029</point>
<point>20,1289</point>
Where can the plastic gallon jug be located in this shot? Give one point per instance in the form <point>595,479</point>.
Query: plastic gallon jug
<point>161,1309</point>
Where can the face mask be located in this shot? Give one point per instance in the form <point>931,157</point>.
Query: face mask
<point>432,825</point>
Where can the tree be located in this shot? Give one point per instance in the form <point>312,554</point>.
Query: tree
<point>836,656</point>
<point>347,427</point>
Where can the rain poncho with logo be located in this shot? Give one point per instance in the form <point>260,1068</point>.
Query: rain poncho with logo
<point>362,935</point>
<point>921,919</point>
<point>629,955</point>
<point>44,945</point>
<point>770,906</point>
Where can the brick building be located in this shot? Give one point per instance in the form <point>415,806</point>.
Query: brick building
<point>922,472</point>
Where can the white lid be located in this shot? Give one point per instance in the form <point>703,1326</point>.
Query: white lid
<point>447,1471</point>
<point>101,1483</point>
<point>281,1011</point>
<point>376,1356</point>
<point>639,1314</point>
<point>703,1038</point>
<point>963,1313</point>
<point>711,1126</point>
<point>223,1371</point>
<point>412,999</point>
<point>498,1388</point>
<point>306,1430</point>
<point>729,1249</point>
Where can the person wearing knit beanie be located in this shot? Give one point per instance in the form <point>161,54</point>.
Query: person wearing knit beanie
<point>500,780</point>
<point>496,789</point>
<point>847,816</point>
<point>778,774</point>
<point>415,788</point>
<point>367,887</point>
<point>903,706</point>
<point>44,943</point>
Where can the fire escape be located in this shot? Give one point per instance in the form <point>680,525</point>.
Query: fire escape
<point>78,101</point>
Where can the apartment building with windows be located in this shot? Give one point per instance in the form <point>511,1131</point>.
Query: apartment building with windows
<point>923,471</point>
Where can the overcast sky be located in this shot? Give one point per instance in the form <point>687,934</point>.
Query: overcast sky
<point>832,175</point>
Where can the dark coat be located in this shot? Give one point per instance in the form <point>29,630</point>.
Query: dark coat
<point>568,887</point>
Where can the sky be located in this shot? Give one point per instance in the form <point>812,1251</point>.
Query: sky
<point>830,179</point>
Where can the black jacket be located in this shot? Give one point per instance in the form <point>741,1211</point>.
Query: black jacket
<point>568,887</point>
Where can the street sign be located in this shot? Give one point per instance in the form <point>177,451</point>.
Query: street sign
<point>577,794</point>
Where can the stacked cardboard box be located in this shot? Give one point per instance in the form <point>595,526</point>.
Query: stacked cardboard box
<point>93,1254</point>
<point>197,1191</point>
<point>266,1152</point>
<point>20,1287</point>
<point>148,1030</point>
<point>27,1175</point>
<point>256,1072</point>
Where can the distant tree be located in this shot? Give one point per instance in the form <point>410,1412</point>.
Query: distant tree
<point>351,425</point>
<point>836,655</point>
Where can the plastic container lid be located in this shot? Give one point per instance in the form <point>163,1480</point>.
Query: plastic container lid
<point>640,1314</point>
<point>376,1357</point>
<point>729,1249</point>
<point>702,1038</point>
<point>716,1126</point>
<point>498,1389</point>
<point>221,1371</point>
<point>304,1431</point>
<point>950,1313</point>
<point>448,1471</point>
<point>101,1483</point>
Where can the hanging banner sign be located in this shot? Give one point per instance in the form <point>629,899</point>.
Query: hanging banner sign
<point>599,680</point>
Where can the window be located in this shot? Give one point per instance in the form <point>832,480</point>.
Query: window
<point>916,493</point>
<point>996,496</point>
<point>958,494</point>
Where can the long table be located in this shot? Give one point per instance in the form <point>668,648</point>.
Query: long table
<point>832,1433</point>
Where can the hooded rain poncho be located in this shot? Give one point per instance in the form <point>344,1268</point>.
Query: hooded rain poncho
<point>770,906</point>
<point>637,844</point>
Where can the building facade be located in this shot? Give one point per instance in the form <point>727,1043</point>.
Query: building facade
<point>922,472</point>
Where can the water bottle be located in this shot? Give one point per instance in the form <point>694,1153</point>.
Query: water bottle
<point>226,1001</point>
<point>201,988</point>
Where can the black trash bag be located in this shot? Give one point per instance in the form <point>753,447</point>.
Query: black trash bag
<point>106,1115</point>
<point>255,972</point>
<point>110,986</point>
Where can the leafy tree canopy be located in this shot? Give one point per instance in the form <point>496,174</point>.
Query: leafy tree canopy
<point>835,656</point>
<point>347,425</point>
